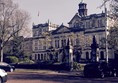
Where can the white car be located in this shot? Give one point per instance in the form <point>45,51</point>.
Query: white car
<point>3,76</point>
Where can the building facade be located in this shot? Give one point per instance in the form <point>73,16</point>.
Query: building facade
<point>27,47</point>
<point>49,42</point>
<point>42,41</point>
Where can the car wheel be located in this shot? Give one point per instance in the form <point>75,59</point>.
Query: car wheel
<point>0,80</point>
<point>11,70</point>
<point>114,74</point>
<point>102,75</point>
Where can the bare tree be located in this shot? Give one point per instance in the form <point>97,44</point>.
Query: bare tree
<point>113,32</point>
<point>12,22</point>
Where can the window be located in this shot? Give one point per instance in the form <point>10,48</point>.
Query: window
<point>76,24</point>
<point>41,56</point>
<point>44,47</point>
<point>87,55</point>
<point>63,42</point>
<point>36,48</point>
<point>38,56</point>
<point>98,23</point>
<point>35,42</point>
<point>34,33</point>
<point>57,43</point>
<point>93,23</point>
<point>88,24</point>
<point>102,55</point>
<point>101,22</point>
<point>77,42</point>
<point>45,57</point>
<point>35,56</point>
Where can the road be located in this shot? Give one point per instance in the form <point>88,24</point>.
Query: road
<point>44,76</point>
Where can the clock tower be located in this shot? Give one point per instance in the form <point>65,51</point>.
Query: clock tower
<point>82,9</point>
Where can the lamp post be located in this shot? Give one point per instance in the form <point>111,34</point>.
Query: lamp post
<point>106,42</point>
<point>1,36</point>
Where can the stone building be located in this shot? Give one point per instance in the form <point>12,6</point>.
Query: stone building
<point>27,47</point>
<point>92,25</point>
<point>42,41</point>
<point>48,44</point>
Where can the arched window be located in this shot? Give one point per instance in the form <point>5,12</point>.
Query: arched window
<point>38,56</point>
<point>87,55</point>
<point>93,23</point>
<point>102,55</point>
<point>41,56</point>
<point>45,57</point>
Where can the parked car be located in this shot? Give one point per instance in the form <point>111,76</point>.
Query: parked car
<point>3,76</point>
<point>99,70</point>
<point>115,65</point>
<point>6,67</point>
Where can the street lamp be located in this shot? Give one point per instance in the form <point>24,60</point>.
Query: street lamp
<point>1,41</point>
<point>106,42</point>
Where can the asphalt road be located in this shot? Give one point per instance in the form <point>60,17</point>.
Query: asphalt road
<point>45,76</point>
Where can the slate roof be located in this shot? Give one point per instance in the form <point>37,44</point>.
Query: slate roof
<point>93,16</point>
<point>64,29</point>
<point>40,25</point>
<point>76,29</point>
<point>77,16</point>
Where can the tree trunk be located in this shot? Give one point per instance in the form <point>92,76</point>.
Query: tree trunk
<point>1,53</point>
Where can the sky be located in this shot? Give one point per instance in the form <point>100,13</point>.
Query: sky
<point>56,11</point>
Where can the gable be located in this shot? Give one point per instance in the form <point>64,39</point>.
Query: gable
<point>75,18</point>
<point>61,29</point>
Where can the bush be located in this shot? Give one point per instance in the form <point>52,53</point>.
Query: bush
<point>78,66</point>
<point>11,59</point>
<point>81,66</point>
<point>75,66</point>
<point>26,61</point>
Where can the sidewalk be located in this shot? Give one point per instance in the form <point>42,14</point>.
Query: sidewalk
<point>62,72</point>
<point>71,73</point>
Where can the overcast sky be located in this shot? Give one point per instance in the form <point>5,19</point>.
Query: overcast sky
<point>57,11</point>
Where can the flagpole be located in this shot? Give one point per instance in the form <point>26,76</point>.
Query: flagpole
<point>38,15</point>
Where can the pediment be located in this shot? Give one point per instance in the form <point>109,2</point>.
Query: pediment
<point>75,18</point>
<point>61,29</point>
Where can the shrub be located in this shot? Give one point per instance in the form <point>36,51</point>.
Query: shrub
<point>11,59</point>
<point>26,61</point>
<point>81,66</point>
<point>75,66</point>
<point>78,66</point>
